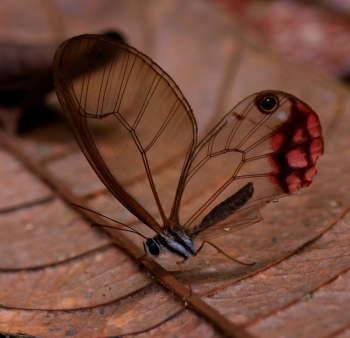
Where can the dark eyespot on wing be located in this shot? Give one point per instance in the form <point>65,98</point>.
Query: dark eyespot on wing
<point>267,103</point>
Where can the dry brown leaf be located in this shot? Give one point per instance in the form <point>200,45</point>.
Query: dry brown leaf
<point>59,277</point>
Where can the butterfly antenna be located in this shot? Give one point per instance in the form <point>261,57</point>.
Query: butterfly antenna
<point>111,219</point>
<point>115,228</point>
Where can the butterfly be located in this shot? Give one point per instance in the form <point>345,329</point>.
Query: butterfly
<point>140,136</point>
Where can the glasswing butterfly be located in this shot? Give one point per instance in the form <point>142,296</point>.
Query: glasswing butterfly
<point>140,136</point>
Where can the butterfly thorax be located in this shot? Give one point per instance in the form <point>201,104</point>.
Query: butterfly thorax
<point>176,242</point>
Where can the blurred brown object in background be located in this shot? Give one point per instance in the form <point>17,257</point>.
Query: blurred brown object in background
<point>30,33</point>
<point>315,33</point>
<point>25,78</point>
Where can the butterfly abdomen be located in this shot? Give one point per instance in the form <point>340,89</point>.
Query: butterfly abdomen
<point>228,207</point>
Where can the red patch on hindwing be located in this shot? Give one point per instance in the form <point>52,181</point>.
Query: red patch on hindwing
<point>296,146</point>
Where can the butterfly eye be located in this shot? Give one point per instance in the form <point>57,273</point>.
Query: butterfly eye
<point>268,104</point>
<point>152,247</point>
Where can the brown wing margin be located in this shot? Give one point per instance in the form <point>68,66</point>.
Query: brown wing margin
<point>79,111</point>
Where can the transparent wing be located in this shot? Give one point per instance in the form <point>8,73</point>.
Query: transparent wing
<point>130,119</point>
<point>274,149</point>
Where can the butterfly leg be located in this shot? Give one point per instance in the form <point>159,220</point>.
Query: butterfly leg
<point>217,248</point>
<point>179,264</point>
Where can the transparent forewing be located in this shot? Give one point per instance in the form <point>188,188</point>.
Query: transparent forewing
<point>275,151</point>
<point>130,119</point>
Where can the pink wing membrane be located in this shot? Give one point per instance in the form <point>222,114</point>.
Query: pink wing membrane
<point>296,148</point>
<point>277,152</point>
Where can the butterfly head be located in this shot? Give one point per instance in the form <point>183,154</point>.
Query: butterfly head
<point>152,247</point>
